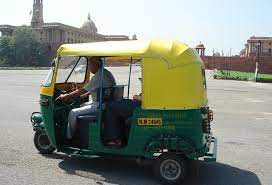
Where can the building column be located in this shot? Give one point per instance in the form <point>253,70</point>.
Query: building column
<point>247,48</point>
<point>54,35</point>
<point>252,47</point>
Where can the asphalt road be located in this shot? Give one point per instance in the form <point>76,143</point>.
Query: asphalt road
<point>243,125</point>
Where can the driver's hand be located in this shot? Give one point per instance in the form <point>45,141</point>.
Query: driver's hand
<point>137,98</point>
<point>85,95</point>
<point>63,97</point>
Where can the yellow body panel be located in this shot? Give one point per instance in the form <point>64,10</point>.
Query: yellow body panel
<point>171,71</point>
<point>172,88</point>
<point>48,91</point>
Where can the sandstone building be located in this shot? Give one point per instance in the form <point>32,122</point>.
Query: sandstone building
<point>261,46</point>
<point>54,34</point>
<point>200,48</point>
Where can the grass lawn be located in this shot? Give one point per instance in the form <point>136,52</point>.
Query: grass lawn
<point>266,76</point>
<point>225,74</point>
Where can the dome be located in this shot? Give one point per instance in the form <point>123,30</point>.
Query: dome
<point>200,45</point>
<point>89,25</point>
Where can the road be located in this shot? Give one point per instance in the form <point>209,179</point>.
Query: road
<point>243,125</point>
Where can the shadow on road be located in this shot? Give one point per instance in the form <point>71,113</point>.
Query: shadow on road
<point>124,172</point>
<point>55,156</point>
<point>216,173</point>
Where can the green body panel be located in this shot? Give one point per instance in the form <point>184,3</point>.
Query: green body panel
<point>181,131</point>
<point>48,119</point>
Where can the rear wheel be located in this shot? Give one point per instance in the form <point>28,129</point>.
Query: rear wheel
<point>42,143</point>
<point>170,169</point>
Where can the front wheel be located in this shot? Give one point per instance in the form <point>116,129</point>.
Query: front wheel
<point>170,169</point>
<point>42,143</point>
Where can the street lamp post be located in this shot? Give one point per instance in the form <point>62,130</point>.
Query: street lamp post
<point>258,59</point>
<point>213,59</point>
<point>229,62</point>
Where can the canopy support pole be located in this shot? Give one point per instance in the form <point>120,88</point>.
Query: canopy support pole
<point>101,85</point>
<point>130,66</point>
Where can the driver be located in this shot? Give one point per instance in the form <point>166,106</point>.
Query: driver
<point>95,64</point>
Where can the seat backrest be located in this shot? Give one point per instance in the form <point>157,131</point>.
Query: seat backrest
<point>118,92</point>
<point>111,93</point>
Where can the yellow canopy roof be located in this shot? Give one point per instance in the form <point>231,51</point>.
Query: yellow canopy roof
<point>166,50</point>
<point>172,72</point>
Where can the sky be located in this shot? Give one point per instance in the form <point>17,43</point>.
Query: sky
<point>218,24</point>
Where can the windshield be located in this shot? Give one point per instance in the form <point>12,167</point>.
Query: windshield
<point>48,78</point>
<point>71,69</point>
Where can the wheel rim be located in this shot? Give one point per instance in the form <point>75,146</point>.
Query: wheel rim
<point>43,141</point>
<point>170,169</point>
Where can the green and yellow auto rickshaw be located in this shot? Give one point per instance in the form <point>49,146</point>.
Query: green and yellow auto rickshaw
<point>172,125</point>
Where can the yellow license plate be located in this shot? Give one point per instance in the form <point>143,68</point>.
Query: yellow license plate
<point>150,121</point>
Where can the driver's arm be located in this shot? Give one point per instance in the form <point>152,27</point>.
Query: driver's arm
<point>75,93</point>
<point>89,87</point>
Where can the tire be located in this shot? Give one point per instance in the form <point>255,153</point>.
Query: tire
<point>170,169</point>
<point>42,143</point>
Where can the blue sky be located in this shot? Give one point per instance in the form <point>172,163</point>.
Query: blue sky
<point>219,24</point>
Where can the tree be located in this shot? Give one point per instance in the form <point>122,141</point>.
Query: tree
<point>6,51</point>
<point>27,47</point>
<point>23,48</point>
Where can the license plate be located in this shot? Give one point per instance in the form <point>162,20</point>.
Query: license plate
<point>150,121</point>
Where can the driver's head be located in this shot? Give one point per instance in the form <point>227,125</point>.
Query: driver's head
<point>95,63</point>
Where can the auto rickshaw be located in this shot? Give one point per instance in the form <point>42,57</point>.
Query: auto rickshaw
<point>171,127</point>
